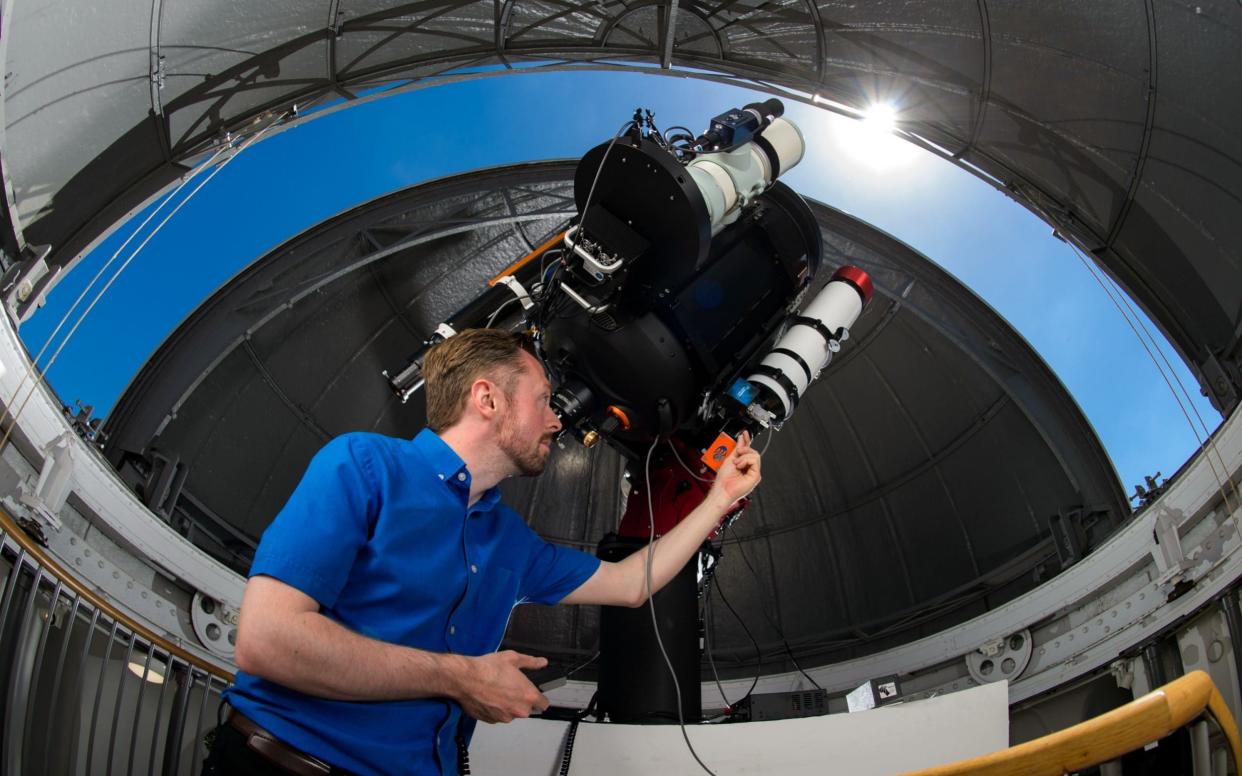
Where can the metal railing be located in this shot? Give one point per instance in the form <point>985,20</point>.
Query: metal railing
<point>1191,700</point>
<point>86,689</point>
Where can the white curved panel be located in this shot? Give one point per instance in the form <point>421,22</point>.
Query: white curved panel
<point>96,485</point>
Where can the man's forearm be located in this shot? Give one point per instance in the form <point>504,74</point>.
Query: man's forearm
<point>671,551</point>
<point>317,656</point>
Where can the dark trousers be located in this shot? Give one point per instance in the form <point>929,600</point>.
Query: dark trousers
<point>230,756</point>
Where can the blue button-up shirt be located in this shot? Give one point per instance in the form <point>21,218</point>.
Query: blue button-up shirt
<point>378,532</point>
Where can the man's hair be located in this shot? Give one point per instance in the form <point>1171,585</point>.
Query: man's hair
<point>451,367</point>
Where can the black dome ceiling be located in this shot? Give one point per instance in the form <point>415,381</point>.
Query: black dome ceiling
<point>1120,122</point>
<point>912,489</point>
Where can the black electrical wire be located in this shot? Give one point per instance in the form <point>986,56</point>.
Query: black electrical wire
<point>543,264</point>
<point>677,126</point>
<point>546,297</point>
<point>540,318</point>
<point>709,622</point>
<point>586,204</point>
<point>758,652</point>
<point>789,652</point>
<point>681,145</point>
<point>581,666</point>
<point>463,755</point>
<point>656,135</point>
<point>655,624</point>
<point>779,632</point>
<point>568,752</point>
<point>707,606</point>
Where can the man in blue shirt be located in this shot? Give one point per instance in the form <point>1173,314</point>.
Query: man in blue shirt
<point>382,589</point>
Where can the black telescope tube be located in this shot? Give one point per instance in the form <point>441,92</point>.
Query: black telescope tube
<point>770,108</point>
<point>475,313</point>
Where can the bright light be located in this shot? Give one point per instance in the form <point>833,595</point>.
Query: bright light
<point>880,119</point>
<point>871,141</point>
<point>153,673</point>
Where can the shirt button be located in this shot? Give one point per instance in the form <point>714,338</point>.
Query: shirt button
<point>461,476</point>
<point>452,630</point>
<point>441,476</point>
<point>474,569</point>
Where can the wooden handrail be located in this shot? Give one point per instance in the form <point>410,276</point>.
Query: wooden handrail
<point>1108,736</point>
<point>70,581</point>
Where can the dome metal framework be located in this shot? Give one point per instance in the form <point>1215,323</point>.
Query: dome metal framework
<point>1117,122</point>
<point>919,484</point>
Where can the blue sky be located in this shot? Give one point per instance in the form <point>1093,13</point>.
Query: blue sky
<point>308,173</point>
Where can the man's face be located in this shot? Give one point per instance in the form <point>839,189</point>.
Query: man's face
<point>528,425</point>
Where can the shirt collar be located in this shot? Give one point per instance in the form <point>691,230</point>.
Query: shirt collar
<point>451,469</point>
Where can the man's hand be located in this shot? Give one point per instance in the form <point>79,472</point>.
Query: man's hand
<point>738,476</point>
<point>494,689</point>
<point>625,583</point>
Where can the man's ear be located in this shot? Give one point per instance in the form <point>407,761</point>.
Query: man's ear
<point>485,397</point>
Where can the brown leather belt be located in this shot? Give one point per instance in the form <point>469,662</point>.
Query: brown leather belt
<point>275,751</point>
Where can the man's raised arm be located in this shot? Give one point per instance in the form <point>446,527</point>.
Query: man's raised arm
<point>624,583</point>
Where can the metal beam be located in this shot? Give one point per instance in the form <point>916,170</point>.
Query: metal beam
<point>158,120</point>
<point>670,32</point>
<point>821,41</point>
<point>298,411</point>
<point>12,240</point>
<point>1149,120</point>
<point>985,82</point>
<point>932,458</point>
<point>333,31</point>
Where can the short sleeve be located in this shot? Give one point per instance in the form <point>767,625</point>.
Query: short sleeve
<point>552,571</point>
<point>315,537</point>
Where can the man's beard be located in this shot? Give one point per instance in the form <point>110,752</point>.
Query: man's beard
<point>529,458</point>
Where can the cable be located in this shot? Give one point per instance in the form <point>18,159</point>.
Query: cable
<point>31,365</point>
<point>677,126</point>
<point>568,752</point>
<point>1209,444</point>
<point>708,623</point>
<point>543,263</point>
<point>497,312</point>
<point>684,466</point>
<point>758,652</point>
<point>1208,441</point>
<point>463,755</point>
<point>767,441</point>
<point>42,372</point>
<point>779,632</point>
<point>655,624</point>
<point>586,204</point>
<point>581,666</point>
<point>546,300</point>
<point>784,641</point>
